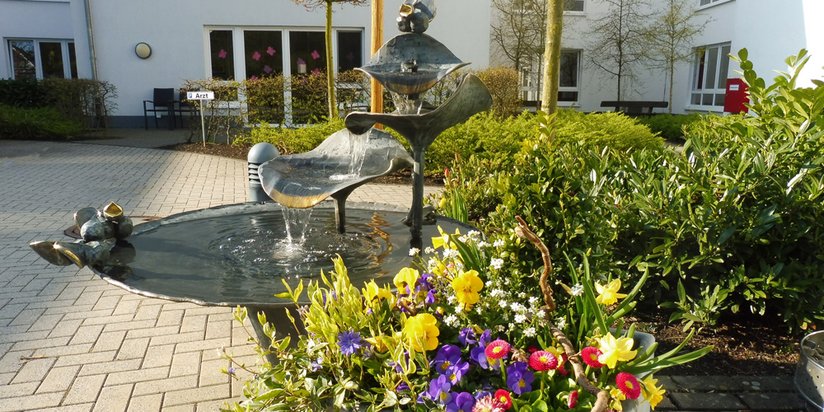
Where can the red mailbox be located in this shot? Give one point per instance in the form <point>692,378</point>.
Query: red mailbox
<point>736,97</point>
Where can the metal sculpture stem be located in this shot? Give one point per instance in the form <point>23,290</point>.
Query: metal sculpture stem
<point>417,198</point>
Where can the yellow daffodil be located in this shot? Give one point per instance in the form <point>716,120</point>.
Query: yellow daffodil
<point>653,393</point>
<point>615,350</point>
<point>607,295</point>
<point>374,293</point>
<point>421,332</point>
<point>442,241</point>
<point>466,287</point>
<point>616,397</point>
<point>406,277</point>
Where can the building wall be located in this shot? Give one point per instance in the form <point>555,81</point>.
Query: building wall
<point>771,30</point>
<point>178,34</point>
<point>43,20</point>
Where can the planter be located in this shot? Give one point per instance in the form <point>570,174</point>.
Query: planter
<point>643,341</point>
<point>809,374</point>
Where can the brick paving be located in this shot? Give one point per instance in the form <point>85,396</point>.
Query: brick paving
<point>71,342</point>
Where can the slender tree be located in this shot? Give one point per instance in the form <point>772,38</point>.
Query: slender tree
<point>619,39</point>
<point>670,38</point>
<point>330,61</point>
<point>518,29</point>
<point>552,55</point>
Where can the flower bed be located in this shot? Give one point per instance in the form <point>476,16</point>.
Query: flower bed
<point>450,336</point>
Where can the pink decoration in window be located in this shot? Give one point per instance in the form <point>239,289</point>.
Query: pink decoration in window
<point>301,61</point>
<point>271,51</point>
<point>316,71</point>
<point>256,56</point>
<point>267,69</point>
<point>222,54</point>
<point>315,55</point>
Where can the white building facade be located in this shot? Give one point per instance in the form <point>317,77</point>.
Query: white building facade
<point>199,39</point>
<point>771,30</point>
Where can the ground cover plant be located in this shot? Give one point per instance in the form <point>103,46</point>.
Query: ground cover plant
<point>729,224</point>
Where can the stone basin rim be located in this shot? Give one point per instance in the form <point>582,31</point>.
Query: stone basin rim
<point>244,208</point>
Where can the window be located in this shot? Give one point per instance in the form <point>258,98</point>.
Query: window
<point>41,59</point>
<point>262,53</point>
<point>702,3</point>
<point>222,53</point>
<point>568,76</point>
<point>350,53</point>
<point>710,75</point>
<point>576,5</point>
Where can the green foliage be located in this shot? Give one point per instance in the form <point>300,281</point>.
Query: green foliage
<point>87,102</point>
<point>36,123</point>
<point>288,140</point>
<point>729,223</point>
<point>669,126</point>
<point>503,85</point>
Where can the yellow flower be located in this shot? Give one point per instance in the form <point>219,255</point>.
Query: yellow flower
<point>372,292</point>
<point>421,332</point>
<point>615,350</point>
<point>406,277</point>
<point>443,239</point>
<point>466,287</point>
<point>616,396</point>
<point>653,393</point>
<point>607,295</point>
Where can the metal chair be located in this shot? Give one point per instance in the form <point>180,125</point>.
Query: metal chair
<point>163,101</point>
<point>184,107</point>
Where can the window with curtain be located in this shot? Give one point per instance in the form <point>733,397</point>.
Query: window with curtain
<point>709,80</point>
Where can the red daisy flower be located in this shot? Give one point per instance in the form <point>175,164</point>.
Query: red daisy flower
<point>497,349</point>
<point>503,398</point>
<point>573,399</point>
<point>628,384</point>
<point>590,356</point>
<point>542,361</point>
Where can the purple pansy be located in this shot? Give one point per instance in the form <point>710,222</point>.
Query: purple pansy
<point>519,378</point>
<point>430,297</point>
<point>461,402</point>
<point>439,390</point>
<point>467,337</point>
<point>447,356</point>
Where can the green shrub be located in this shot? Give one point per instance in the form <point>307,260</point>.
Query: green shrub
<point>87,102</point>
<point>503,85</point>
<point>669,126</point>
<point>36,123</point>
<point>224,116</point>
<point>289,140</point>
<point>731,223</point>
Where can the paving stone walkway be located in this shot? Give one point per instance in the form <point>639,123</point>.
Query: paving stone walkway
<point>71,342</point>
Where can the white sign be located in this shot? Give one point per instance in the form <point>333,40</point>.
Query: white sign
<point>201,95</point>
<point>733,87</point>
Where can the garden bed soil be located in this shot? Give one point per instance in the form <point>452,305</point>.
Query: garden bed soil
<point>743,346</point>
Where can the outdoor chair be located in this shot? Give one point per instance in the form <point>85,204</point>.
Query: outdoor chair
<point>163,101</point>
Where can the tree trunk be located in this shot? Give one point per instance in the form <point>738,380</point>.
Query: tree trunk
<point>330,65</point>
<point>671,81</point>
<point>552,53</point>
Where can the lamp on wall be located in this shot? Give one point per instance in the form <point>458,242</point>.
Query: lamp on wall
<point>143,50</point>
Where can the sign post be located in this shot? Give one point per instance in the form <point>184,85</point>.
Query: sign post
<point>202,97</point>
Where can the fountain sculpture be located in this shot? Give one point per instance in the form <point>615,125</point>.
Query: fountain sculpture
<point>235,255</point>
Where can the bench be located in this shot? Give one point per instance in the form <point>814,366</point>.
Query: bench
<point>634,106</point>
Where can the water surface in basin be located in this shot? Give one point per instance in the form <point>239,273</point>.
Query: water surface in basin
<point>239,255</point>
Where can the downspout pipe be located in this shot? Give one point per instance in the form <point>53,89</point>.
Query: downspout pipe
<point>87,4</point>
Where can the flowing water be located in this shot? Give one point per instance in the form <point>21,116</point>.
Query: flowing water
<point>239,254</point>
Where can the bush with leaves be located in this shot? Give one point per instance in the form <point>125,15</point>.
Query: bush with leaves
<point>669,126</point>
<point>731,223</point>
<point>503,85</point>
<point>36,123</point>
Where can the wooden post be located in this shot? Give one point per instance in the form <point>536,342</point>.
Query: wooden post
<point>376,102</point>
